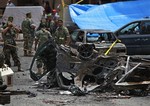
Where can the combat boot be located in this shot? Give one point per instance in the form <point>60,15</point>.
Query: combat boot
<point>3,87</point>
<point>19,68</point>
<point>25,53</point>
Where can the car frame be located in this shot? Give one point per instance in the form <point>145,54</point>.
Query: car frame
<point>136,36</point>
<point>96,39</point>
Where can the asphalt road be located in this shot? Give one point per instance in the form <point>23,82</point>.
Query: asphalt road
<point>53,97</point>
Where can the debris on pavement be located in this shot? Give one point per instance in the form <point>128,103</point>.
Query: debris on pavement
<point>6,94</point>
<point>65,92</point>
<point>57,102</point>
<point>101,73</point>
<point>115,97</point>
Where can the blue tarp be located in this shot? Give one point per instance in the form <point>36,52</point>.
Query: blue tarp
<point>109,16</point>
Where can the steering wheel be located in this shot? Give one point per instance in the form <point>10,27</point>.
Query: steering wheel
<point>85,51</point>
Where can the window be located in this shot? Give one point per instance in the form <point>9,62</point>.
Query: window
<point>130,29</point>
<point>99,37</point>
<point>145,27</point>
<point>142,27</point>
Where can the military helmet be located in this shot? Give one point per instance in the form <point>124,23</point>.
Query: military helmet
<point>10,18</point>
<point>29,13</point>
<point>43,25</point>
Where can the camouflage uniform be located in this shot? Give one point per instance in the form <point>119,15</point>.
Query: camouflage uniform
<point>61,35</point>
<point>2,60</point>
<point>1,81</point>
<point>50,25</point>
<point>9,49</point>
<point>28,35</point>
<point>1,65</point>
<point>41,36</point>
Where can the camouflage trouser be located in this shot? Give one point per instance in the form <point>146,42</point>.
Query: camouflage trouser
<point>51,78</point>
<point>28,43</point>
<point>1,81</point>
<point>1,60</point>
<point>11,51</point>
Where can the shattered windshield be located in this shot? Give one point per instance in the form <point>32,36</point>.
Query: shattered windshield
<point>92,37</point>
<point>99,37</point>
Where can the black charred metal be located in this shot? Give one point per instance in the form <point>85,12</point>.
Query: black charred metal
<point>119,73</point>
<point>47,53</point>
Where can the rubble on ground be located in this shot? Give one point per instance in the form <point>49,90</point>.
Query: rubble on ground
<point>123,75</point>
<point>101,73</point>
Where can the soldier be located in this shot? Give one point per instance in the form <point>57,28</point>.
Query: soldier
<point>61,34</point>
<point>28,29</point>
<point>50,24</point>
<point>41,36</point>
<point>42,22</point>
<point>9,33</point>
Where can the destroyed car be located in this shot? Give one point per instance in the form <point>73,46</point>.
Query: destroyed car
<point>83,53</point>
<point>87,40</point>
<point>81,74</point>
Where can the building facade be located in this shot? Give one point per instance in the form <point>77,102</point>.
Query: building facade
<point>53,3</point>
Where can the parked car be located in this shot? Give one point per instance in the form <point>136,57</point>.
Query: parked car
<point>136,36</point>
<point>87,40</point>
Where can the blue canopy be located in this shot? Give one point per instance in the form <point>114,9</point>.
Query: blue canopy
<point>109,16</point>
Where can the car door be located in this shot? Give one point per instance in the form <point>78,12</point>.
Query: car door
<point>145,37</point>
<point>129,35</point>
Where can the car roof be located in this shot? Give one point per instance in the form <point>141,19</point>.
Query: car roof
<point>143,19</point>
<point>95,30</point>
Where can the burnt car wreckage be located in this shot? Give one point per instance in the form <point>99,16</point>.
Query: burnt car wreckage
<point>93,66</point>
